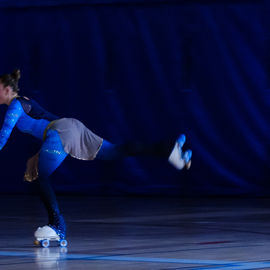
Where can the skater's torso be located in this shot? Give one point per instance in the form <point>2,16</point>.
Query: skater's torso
<point>28,116</point>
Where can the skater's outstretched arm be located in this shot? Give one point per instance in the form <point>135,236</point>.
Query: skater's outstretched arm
<point>13,114</point>
<point>8,94</point>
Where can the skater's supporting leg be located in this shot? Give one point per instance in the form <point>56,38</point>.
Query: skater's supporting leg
<point>48,197</point>
<point>51,156</point>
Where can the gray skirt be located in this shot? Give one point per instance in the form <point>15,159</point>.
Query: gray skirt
<point>78,141</point>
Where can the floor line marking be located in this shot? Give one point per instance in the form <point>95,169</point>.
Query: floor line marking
<point>218,264</point>
<point>119,258</point>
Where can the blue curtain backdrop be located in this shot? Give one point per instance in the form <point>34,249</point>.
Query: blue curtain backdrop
<point>146,70</point>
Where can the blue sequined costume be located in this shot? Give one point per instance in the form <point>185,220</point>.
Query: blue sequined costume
<point>30,118</point>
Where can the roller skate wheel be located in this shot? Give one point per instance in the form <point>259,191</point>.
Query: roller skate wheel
<point>45,243</point>
<point>36,243</point>
<point>63,243</point>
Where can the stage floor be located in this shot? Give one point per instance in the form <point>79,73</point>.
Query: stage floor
<point>139,233</point>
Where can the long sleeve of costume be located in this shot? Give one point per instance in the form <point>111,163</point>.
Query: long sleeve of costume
<point>12,115</point>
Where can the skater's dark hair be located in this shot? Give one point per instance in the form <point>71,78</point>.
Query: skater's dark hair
<point>11,80</point>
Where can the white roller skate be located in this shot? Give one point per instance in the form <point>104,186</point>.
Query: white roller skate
<point>46,234</point>
<point>177,158</point>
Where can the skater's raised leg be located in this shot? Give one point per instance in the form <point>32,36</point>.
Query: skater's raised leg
<point>176,157</point>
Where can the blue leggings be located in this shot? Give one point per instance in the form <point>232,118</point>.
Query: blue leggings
<point>51,155</point>
<point>111,151</point>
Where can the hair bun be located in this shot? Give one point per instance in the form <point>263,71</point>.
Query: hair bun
<point>16,74</point>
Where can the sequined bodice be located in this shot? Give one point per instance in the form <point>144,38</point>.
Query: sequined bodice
<point>28,116</point>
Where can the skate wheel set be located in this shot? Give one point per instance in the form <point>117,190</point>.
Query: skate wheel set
<point>44,235</point>
<point>46,242</point>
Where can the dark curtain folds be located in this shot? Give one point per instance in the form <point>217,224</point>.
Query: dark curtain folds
<point>148,71</point>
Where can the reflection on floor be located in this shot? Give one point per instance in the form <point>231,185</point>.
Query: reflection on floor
<point>139,233</point>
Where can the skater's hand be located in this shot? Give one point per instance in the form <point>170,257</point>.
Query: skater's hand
<point>31,172</point>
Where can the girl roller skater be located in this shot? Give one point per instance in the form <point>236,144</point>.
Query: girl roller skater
<point>66,136</point>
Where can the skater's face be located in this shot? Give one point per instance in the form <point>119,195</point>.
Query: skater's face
<point>5,92</point>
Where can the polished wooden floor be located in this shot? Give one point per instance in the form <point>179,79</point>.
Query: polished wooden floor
<point>139,233</point>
